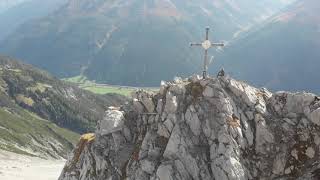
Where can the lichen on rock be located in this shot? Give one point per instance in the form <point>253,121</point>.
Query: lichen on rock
<point>84,142</point>
<point>215,128</point>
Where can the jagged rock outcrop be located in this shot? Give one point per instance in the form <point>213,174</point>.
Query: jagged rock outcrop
<point>205,129</point>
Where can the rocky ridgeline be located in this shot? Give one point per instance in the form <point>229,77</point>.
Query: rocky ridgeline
<point>204,129</point>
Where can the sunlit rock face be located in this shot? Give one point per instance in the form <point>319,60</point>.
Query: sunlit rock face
<point>217,128</point>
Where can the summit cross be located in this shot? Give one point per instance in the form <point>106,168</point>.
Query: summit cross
<point>206,44</point>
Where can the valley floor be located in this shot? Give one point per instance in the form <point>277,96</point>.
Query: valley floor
<point>19,167</point>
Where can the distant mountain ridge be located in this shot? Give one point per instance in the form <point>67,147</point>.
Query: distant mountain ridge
<point>134,42</point>
<point>26,10</point>
<point>7,4</point>
<point>282,54</point>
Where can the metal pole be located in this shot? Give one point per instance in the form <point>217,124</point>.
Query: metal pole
<point>205,65</point>
<point>207,33</point>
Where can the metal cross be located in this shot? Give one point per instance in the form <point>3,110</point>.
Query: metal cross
<point>206,44</point>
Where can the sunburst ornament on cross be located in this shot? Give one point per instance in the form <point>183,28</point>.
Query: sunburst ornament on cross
<point>206,44</point>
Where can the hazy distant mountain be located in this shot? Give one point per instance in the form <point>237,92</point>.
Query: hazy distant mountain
<point>137,42</point>
<point>282,54</point>
<point>24,11</point>
<point>7,4</point>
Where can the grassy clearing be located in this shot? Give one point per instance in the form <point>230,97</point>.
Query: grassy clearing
<point>26,100</point>
<point>39,87</point>
<point>20,131</point>
<point>86,84</point>
<point>108,90</point>
<point>77,80</point>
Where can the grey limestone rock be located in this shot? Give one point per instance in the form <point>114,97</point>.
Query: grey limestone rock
<point>203,129</point>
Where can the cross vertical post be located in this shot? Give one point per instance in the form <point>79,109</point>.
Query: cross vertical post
<point>206,44</point>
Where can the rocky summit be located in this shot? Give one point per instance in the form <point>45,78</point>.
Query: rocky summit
<point>217,128</point>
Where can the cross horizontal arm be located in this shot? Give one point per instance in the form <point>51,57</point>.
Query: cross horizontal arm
<point>217,44</point>
<point>195,44</point>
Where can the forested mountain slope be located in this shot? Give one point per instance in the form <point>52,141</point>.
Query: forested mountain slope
<point>283,54</point>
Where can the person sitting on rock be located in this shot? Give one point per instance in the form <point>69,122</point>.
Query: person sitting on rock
<point>221,73</point>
